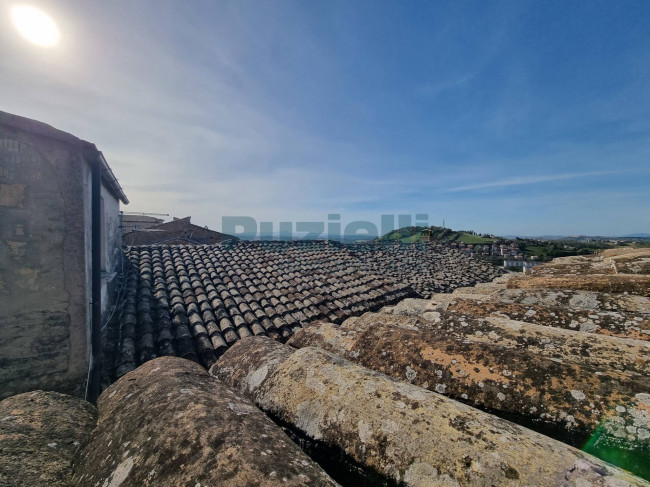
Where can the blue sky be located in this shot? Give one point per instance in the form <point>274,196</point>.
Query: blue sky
<point>504,117</point>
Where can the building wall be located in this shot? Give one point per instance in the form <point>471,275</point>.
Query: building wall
<point>112,249</point>
<point>44,313</point>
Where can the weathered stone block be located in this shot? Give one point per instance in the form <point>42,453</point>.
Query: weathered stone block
<point>39,434</point>
<point>569,401</point>
<point>615,283</point>
<point>405,432</point>
<point>614,323</point>
<point>170,423</point>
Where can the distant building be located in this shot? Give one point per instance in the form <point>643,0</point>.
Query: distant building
<point>138,222</point>
<point>60,249</point>
<point>178,231</point>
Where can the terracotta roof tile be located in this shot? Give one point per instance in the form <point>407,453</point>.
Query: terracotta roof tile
<point>195,301</point>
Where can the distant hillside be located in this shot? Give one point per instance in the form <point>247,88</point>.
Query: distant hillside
<point>415,234</point>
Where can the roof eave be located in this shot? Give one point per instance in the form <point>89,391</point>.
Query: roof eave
<point>108,177</point>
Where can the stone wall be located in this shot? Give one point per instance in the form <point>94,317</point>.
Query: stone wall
<point>44,258</point>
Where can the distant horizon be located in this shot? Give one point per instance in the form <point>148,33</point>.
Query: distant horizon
<point>295,236</point>
<point>520,118</point>
<point>276,234</point>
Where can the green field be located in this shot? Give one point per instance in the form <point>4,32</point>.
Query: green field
<point>417,234</point>
<point>469,238</point>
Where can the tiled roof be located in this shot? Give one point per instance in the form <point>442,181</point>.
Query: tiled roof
<point>177,232</point>
<point>427,267</point>
<point>196,301</point>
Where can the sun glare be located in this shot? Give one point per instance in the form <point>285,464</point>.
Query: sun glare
<point>35,25</point>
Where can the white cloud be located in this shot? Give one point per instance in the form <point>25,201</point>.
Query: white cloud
<point>523,180</point>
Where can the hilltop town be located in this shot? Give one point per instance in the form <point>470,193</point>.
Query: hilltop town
<point>513,253</point>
